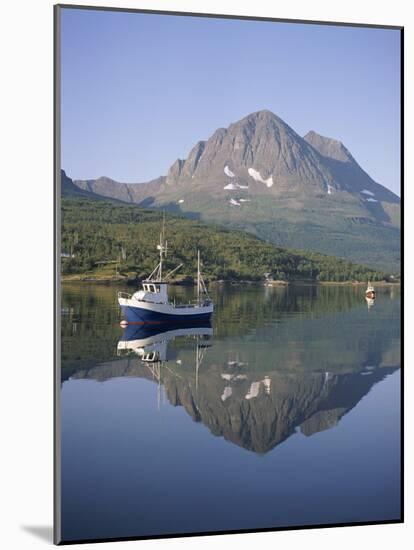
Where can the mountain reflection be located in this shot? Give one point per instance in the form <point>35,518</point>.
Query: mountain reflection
<point>237,390</point>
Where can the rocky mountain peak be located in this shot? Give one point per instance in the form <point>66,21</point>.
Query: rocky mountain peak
<point>264,115</point>
<point>263,123</point>
<point>258,149</point>
<point>329,147</point>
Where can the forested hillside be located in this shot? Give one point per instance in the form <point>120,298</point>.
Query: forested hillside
<point>95,232</point>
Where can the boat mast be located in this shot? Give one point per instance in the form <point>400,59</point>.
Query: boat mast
<point>162,243</point>
<point>198,277</point>
<point>163,250</point>
<point>197,365</point>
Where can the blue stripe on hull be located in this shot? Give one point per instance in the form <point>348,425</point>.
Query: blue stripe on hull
<point>139,315</point>
<point>146,330</point>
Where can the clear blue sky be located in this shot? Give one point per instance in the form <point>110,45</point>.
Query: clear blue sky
<point>139,90</point>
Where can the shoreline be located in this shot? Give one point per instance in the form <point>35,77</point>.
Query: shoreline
<point>280,284</point>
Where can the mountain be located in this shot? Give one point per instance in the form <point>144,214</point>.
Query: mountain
<point>70,190</point>
<point>352,178</point>
<point>109,188</point>
<point>258,175</point>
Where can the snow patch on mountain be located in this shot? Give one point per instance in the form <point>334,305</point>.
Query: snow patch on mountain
<point>254,390</point>
<point>226,393</point>
<point>371,200</point>
<point>180,201</point>
<point>366,192</point>
<point>234,202</point>
<point>257,177</point>
<point>228,172</point>
<point>234,185</point>
<point>330,189</point>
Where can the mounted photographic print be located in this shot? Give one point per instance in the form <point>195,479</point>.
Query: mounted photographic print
<point>228,268</point>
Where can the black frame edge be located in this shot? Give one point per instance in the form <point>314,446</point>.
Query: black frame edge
<point>227,16</point>
<point>402,195</point>
<point>57,535</point>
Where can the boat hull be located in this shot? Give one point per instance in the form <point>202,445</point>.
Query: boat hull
<point>137,314</point>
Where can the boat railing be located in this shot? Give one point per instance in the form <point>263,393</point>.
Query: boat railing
<point>193,303</point>
<point>124,295</point>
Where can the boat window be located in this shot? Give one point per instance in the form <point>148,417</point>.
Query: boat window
<point>151,288</point>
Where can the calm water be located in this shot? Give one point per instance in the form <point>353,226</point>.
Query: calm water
<point>285,412</point>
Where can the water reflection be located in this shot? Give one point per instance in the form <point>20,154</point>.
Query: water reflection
<point>290,391</point>
<point>299,366</point>
<point>301,314</point>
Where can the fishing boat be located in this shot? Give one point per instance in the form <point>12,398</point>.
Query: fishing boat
<point>150,304</point>
<point>370,291</point>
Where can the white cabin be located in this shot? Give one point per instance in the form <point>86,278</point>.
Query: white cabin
<point>152,291</point>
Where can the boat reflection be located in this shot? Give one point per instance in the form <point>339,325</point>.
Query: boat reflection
<point>150,342</point>
<point>370,302</point>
